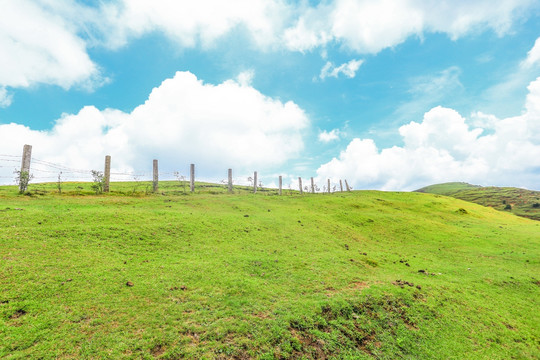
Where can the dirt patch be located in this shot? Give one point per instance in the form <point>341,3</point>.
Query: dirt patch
<point>157,350</point>
<point>18,313</point>
<point>350,326</point>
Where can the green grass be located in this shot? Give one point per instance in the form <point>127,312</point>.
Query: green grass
<point>448,189</point>
<point>520,202</point>
<point>211,275</point>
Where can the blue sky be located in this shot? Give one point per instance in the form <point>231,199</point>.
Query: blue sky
<point>390,95</point>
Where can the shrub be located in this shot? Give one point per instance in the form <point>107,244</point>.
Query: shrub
<point>98,181</point>
<point>22,178</point>
<point>508,207</point>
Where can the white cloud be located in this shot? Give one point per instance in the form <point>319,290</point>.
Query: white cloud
<point>245,78</point>
<point>348,69</point>
<point>183,121</point>
<point>533,56</point>
<point>40,46</point>
<point>327,136</point>
<point>443,148</point>
<point>368,27</point>
<point>506,96</point>
<point>427,91</point>
<point>189,23</point>
<point>45,42</point>
<point>5,97</point>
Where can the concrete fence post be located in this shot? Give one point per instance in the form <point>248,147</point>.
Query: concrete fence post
<point>329,186</point>
<point>192,177</point>
<point>254,182</point>
<point>107,174</point>
<point>155,184</point>
<point>340,185</point>
<point>24,176</point>
<point>347,185</point>
<point>312,186</point>
<point>230,180</point>
<point>280,184</point>
<point>300,185</point>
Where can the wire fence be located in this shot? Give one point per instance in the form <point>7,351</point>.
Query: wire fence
<point>47,172</point>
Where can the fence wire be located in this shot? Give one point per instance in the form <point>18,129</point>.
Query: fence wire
<point>43,171</point>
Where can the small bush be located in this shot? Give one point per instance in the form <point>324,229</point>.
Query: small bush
<point>22,179</point>
<point>97,182</point>
<point>536,205</point>
<point>508,207</point>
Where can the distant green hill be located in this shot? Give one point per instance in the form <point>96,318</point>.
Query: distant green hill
<point>521,202</point>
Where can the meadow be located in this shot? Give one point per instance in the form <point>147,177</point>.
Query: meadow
<point>211,275</point>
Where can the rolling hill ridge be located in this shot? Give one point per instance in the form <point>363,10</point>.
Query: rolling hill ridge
<point>518,201</point>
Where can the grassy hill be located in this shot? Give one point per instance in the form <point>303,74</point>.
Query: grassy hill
<point>210,275</point>
<point>521,202</point>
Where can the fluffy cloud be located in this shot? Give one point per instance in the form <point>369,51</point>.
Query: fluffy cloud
<point>443,147</point>
<point>45,42</point>
<point>533,56</point>
<point>327,136</point>
<point>183,121</point>
<point>368,27</point>
<point>348,69</point>
<point>38,45</point>
<point>191,22</point>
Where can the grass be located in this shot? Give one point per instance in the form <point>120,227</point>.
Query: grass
<point>213,275</point>
<point>520,202</point>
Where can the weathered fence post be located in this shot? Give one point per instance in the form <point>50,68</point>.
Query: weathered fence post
<point>329,186</point>
<point>107,174</point>
<point>192,177</point>
<point>24,176</point>
<point>341,185</point>
<point>254,182</point>
<point>230,180</point>
<point>280,184</point>
<point>300,185</point>
<point>312,186</point>
<point>347,185</point>
<point>156,176</point>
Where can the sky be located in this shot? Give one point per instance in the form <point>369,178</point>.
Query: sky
<point>390,94</point>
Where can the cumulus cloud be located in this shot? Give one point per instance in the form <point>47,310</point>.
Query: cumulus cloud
<point>45,42</point>
<point>327,136</point>
<point>348,69</point>
<point>189,23</point>
<point>183,121</point>
<point>38,45</point>
<point>368,27</point>
<point>444,147</point>
<point>533,56</point>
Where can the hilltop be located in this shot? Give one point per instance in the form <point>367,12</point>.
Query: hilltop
<point>518,201</point>
<point>357,275</point>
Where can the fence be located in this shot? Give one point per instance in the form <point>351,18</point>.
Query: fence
<point>47,172</point>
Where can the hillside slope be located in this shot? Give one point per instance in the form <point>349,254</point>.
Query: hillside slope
<point>350,275</point>
<point>520,202</point>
